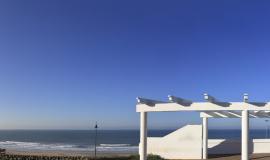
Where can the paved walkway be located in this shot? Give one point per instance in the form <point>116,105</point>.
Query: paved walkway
<point>238,157</point>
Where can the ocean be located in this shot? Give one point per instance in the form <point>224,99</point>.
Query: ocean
<point>83,140</point>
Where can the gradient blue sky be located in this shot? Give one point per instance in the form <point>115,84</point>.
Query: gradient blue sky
<point>66,64</point>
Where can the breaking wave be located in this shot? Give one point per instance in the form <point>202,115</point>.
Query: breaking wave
<point>65,147</point>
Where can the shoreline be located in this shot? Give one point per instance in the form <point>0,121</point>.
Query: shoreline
<point>69,153</point>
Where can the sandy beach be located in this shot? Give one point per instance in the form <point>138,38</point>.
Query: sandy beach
<point>118,156</point>
<point>66,155</point>
<point>69,153</point>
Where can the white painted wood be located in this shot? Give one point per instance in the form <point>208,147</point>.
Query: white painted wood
<point>245,97</point>
<point>202,106</point>
<point>182,101</point>
<point>261,114</point>
<point>245,135</point>
<point>205,138</point>
<point>234,114</point>
<point>211,108</point>
<point>219,114</point>
<point>143,136</point>
<point>209,98</point>
<point>148,102</point>
<point>253,115</point>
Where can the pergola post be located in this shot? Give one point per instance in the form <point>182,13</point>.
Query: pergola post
<point>245,130</point>
<point>205,137</point>
<point>143,136</point>
<point>211,109</point>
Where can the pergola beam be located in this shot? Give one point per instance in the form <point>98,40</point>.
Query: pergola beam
<point>179,100</point>
<point>234,114</point>
<point>245,97</point>
<point>220,114</point>
<point>201,106</point>
<point>148,102</point>
<point>261,114</point>
<point>253,115</point>
<point>209,98</point>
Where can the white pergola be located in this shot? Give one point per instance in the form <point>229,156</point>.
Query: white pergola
<point>210,108</point>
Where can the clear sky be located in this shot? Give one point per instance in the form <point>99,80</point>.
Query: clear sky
<point>66,64</point>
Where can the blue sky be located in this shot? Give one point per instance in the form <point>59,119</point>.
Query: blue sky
<point>67,64</point>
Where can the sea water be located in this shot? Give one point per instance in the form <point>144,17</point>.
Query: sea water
<point>84,140</point>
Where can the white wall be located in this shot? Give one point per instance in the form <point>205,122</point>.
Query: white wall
<point>185,142</point>
<point>261,146</point>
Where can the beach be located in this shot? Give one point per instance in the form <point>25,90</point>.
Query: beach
<point>14,155</point>
<point>68,153</point>
<point>65,155</point>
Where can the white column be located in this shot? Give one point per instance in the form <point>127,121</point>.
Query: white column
<point>143,136</point>
<point>205,137</point>
<point>245,130</point>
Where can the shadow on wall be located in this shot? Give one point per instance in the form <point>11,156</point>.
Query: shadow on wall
<point>227,147</point>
